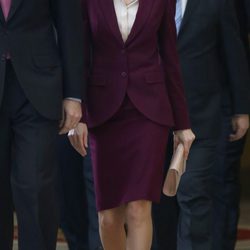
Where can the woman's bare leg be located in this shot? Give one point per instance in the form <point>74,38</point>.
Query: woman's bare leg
<point>111,227</point>
<point>139,224</point>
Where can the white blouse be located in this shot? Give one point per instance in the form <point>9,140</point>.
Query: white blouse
<point>126,15</point>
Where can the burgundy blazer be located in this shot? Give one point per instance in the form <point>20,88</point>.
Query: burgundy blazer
<point>145,67</point>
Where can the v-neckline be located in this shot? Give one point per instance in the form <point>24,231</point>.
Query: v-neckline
<point>133,26</point>
<point>144,9</point>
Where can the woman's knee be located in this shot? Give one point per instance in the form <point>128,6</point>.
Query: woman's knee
<point>138,212</point>
<point>110,220</point>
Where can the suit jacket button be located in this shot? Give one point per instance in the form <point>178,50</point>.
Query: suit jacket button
<point>123,51</point>
<point>124,74</point>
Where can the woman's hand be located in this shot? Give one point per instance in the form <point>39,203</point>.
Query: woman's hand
<point>186,137</point>
<point>79,138</point>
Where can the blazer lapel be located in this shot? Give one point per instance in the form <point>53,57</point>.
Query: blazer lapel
<point>14,6</point>
<point>145,7</point>
<point>191,5</point>
<point>110,16</point>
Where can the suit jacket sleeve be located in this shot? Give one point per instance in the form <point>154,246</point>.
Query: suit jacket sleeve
<point>68,23</point>
<point>241,11</point>
<point>235,59</point>
<point>87,52</point>
<point>247,6</point>
<point>169,56</point>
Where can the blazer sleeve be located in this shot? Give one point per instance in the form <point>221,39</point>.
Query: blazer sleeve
<point>235,58</point>
<point>68,24</point>
<point>169,57</point>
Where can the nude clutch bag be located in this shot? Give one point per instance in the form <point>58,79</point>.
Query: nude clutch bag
<point>176,169</point>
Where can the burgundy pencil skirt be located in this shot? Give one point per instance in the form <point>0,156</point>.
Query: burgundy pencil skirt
<point>128,153</point>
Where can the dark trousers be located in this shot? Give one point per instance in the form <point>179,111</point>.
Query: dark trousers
<point>78,212</point>
<point>194,198</point>
<point>226,194</point>
<point>165,218</point>
<point>73,200</point>
<point>165,215</point>
<point>190,217</point>
<point>94,237</point>
<point>28,171</point>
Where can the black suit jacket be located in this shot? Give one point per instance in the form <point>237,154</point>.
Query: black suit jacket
<point>247,9</point>
<point>212,59</point>
<point>47,70</point>
<point>243,18</point>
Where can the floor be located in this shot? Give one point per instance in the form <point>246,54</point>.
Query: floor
<point>60,246</point>
<point>244,224</point>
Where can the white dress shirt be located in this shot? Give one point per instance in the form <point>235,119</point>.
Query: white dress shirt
<point>183,6</point>
<point>126,15</point>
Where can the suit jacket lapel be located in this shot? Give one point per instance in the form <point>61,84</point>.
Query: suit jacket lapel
<point>191,5</point>
<point>145,7</point>
<point>110,16</point>
<point>2,19</point>
<point>14,6</point>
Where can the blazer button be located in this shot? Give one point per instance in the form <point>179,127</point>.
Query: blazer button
<point>124,74</point>
<point>123,51</point>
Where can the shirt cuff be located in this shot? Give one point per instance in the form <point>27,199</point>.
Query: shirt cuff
<point>74,99</point>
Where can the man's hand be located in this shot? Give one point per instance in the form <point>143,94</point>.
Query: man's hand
<point>240,125</point>
<point>72,113</point>
<point>79,138</point>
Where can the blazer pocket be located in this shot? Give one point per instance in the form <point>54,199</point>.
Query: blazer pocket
<point>46,61</point>
<point>154,77</point>
<point>97,81</point>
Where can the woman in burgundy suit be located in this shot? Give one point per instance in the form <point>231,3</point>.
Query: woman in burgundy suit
<point>135,95</point>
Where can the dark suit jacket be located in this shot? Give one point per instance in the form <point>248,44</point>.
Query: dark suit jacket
<point>145,67</point>
<point>247,9</point>
<point>212,59</point>
<point>243,18</point>
<point>46,70</point>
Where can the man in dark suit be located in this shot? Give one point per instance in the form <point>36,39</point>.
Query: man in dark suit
<point>226,195</point>
<point>210,52</point>
<point>36,74</point>
<point>79,220</point>
<point>247,6</point>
